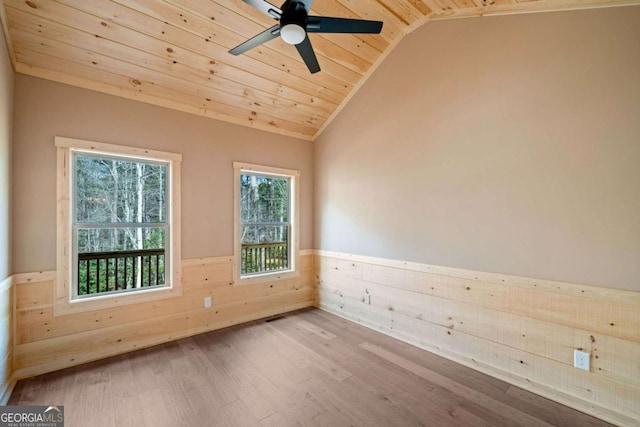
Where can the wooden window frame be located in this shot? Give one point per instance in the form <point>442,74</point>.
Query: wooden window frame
<point>293,271</point>
<point>64,303</point>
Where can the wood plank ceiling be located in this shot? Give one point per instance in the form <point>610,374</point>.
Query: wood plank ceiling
<point>173,53</point>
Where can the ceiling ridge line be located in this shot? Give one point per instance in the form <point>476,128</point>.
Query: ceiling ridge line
<point>353,92</point>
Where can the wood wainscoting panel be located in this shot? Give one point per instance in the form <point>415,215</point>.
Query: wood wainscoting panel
<point>520,330</point>
<point>6,339</point>
<point>45,342</point>
<point>305,368</point>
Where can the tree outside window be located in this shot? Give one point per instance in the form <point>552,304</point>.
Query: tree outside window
<point>266,208</point>
<point>120,226</point>
<point>264,213</point>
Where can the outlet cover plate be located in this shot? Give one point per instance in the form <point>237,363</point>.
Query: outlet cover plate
<point>366,299</point>
<point>207,302</point>
<point>581,360</point>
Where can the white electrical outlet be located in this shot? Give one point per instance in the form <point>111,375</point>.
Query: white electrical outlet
<point>366,299</point>
<point>207,302</point>
<point>581,360</point>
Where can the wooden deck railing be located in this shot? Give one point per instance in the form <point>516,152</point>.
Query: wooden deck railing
<point>100,272</point>
<point>263,257</point>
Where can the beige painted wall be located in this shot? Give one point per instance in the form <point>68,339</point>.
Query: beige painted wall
<point>6,292</point>
<point>45,109</point>
<point>504,144</point>
<point>6,119</point>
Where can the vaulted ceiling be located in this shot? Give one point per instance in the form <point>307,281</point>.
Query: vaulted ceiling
<point>174,53</point>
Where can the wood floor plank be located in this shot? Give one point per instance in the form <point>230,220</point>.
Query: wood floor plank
<point>337,412</point>
<point>93,396</point>
<point>126,410</point>
<point>255,401</point>
<point>273,420</point>
<point>218,384</point>
<point>308,368</point>
<point>237,414</point>
<point>193,407</point>
<point>316,360</point>
<point>316,330</point>
<point>554,413</point>
<point>282,396</point>
<point>456,388</point>
<point>153,414</point>
<point>407,391</point>
<point>25,391</point>
<point>470,377</point>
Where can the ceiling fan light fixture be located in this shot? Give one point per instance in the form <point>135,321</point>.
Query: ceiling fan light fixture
<point>294,25</point>
<point>293,34</point>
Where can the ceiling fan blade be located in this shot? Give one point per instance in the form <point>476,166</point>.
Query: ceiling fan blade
<point>308,55</point>
<point>265,7</point>
<point>257,40</point>
<point>325,24</point>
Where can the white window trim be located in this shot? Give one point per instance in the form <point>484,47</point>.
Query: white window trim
<point>293,271</point>
<point>63,302</point>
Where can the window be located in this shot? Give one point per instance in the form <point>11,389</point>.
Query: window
<point>266,209</point>
<point>118,224</point>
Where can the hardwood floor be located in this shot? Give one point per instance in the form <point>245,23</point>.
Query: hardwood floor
<point>309,368</point>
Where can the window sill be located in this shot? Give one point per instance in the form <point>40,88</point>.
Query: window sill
<point>65,307</point>
<point>266,277</point>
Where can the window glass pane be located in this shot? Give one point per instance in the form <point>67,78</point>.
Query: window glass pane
<point>97,276</point>
<point>264,199</point>
<point>120,239</point>
<point>264,248</point>
<point>113,190</point>
<point>265,228</point>
<point>118,259</point>
<point>257,234</point>
<point>109,190</point>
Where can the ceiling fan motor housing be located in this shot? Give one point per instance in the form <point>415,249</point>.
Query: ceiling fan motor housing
<point>293,22</point>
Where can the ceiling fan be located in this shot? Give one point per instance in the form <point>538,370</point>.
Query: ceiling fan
<point>294,25</point>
